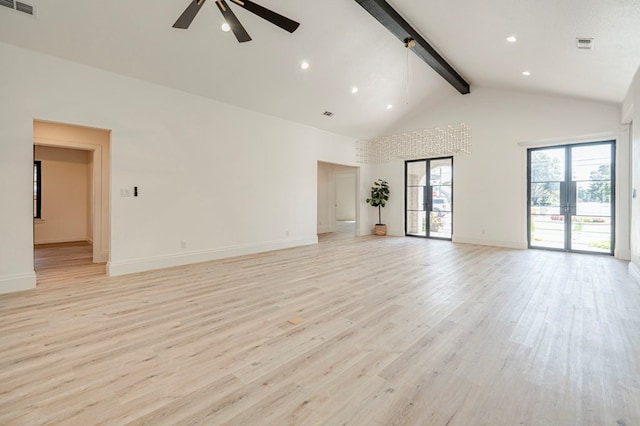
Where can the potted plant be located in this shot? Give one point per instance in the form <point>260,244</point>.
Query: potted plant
<point>436,223</point>
<point>379,197</point>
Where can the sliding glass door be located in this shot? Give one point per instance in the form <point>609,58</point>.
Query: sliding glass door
<point>571,197</point>
<point>429,198</point>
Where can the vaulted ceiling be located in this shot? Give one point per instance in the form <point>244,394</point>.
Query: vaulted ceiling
<point>345,47</point>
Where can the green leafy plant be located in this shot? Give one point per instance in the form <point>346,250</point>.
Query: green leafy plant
<point>379,197</point>
<point>601,244</point>
<point>436,223</point>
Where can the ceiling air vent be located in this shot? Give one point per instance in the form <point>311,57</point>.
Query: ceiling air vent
<point>584,43</point>
<point>7,3</point>
<point>23,7</point>
<point>328,113</point>
<point>18,6</point>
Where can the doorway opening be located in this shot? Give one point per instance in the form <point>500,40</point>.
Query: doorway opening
<point>337,200</point>
<point>571,197</point>
<point>72,232</point>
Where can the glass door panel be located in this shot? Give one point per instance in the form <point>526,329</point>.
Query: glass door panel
<point>415,198</point>
<point>571,197</point>
<point>416,205</point>
<point>429,197</point>
<point>591,206</point>
<point>441,191</point>
<point>547,215</point>
<point>416,172</point>
<point>416,223</point>
<point>547,165</point>
<point>440,225</point>
<point>546,193</point>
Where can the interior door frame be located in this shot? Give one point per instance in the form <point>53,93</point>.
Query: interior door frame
<point>567,210</point>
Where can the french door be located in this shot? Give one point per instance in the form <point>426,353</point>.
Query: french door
<point>429,198</point>
<point>571,197</point>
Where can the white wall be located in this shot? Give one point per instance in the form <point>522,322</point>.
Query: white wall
<point>490,184</point>
<point>65,195</point>
<point>199,165</point>
<point>631,114</point>
<point>325,198</point>
<point>345,183</point>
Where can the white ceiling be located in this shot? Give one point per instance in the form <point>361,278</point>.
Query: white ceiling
<point>345,47</point>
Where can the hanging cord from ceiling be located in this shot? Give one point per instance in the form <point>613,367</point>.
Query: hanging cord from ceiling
<point>409,43</point>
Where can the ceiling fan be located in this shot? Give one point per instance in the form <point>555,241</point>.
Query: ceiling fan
<point>241,34</point>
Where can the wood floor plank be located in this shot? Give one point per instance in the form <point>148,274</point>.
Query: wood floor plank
<point>402,331</point>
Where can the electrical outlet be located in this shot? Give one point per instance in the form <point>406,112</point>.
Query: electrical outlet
<point>183,244</point>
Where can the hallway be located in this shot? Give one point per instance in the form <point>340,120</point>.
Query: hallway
<point>62,262</point>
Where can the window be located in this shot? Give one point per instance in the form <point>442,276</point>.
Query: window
<point>37,189</point>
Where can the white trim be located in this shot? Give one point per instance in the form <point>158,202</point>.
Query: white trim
<point>627,116</point>
<point>11,283</point>
<point>634,271</point>
<point>595,137</point>
<point>124,267</point>
<point>622,254</point>
<point>623,195</point>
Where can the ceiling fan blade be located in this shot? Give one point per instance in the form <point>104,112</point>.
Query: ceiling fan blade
<point>189,13</point>
<point>271,16</point>
<point>238,30</point>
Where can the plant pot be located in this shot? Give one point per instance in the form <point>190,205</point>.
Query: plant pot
<point>381,229</point>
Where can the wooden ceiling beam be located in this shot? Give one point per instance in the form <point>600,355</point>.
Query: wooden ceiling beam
<point>396,24</point>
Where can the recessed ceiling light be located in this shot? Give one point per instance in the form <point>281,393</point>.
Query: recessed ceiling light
<point>526,73</point>
<point>389,106</point>
<point>225,27</point>
<point>354,89</point>
<point>512,39</point>
<point>304,65</point>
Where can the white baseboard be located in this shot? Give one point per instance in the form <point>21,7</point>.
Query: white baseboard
<point>11,283</point>
<point>634,271</point>
<point>623,254</point>
<point>123,267</point>
<point>495,243</point>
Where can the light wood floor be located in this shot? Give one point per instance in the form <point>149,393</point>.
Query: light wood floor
<point>56,262</point>
<point>396,331</point>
